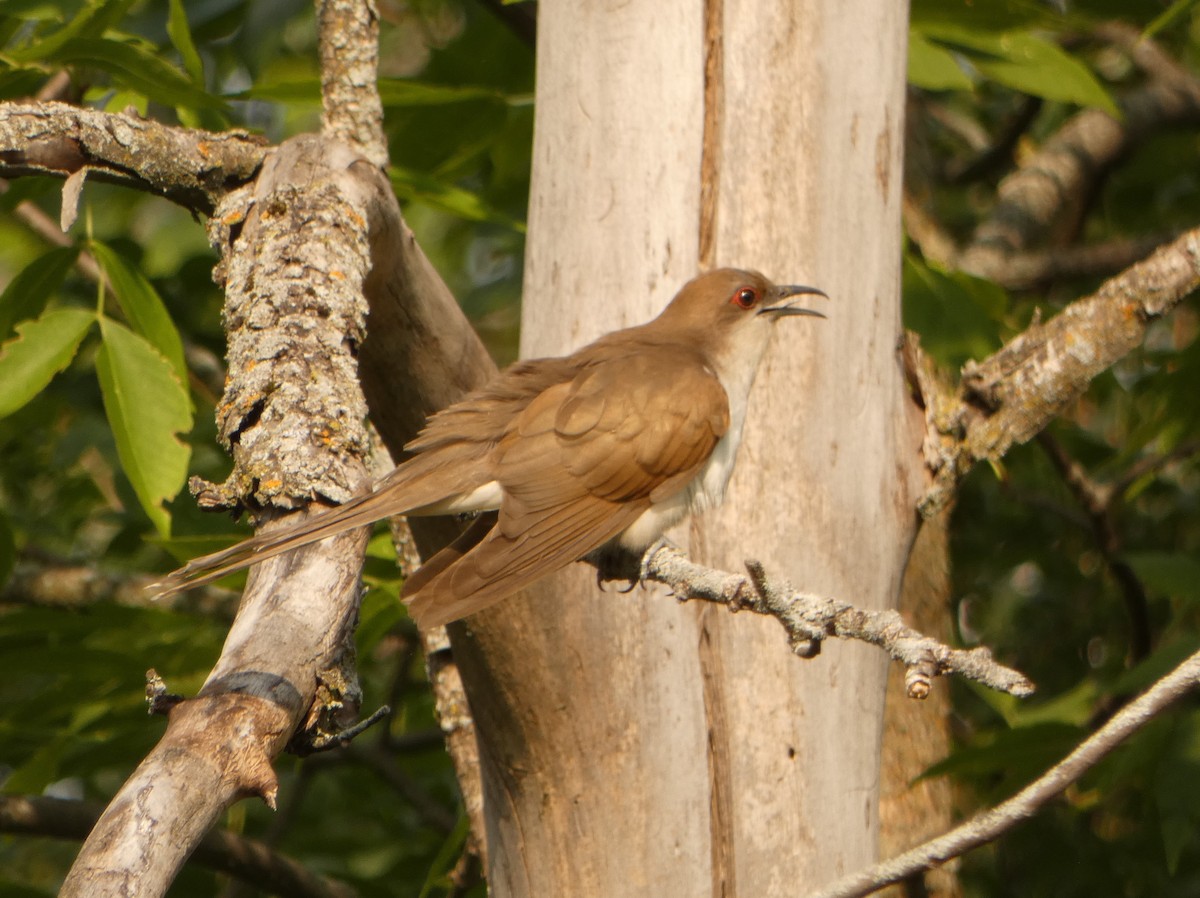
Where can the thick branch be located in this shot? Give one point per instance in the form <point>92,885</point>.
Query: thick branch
<point>991,824</point>
<point>809,619</point>
<point>246,859</point>
<point>1012,395</point>
<point>192,168</point>
<point>296,256</point>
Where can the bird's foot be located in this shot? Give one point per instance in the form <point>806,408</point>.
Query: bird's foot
<point>648,556</point>
<point>617,563</point>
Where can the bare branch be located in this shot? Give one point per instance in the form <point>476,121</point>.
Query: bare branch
<point>1050,188</point>
<point>192,168</point>
<point>1012,395</point>
<point>348,43</point>
<point>991,824</point>
<point>809,619</point>
<point>248,860</point>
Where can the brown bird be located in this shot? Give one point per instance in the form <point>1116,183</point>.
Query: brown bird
<point>604,448</point>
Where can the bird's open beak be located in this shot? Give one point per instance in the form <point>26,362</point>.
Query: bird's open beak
<point>790,308</point>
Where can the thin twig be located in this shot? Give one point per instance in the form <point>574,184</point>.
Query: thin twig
<point>809,619</point>
<point>990,824</point>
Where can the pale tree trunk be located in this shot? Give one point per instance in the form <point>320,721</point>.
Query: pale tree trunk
<point>630,745</point>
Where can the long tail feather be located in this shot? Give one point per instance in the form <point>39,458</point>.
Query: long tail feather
<point>357,512</point>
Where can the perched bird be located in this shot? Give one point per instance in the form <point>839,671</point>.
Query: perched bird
<point>606,447</point>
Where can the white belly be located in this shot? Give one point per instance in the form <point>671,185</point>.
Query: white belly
<point>707,490</point>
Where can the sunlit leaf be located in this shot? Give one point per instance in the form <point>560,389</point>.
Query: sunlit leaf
<point>142,306</point>
<point>147,408</point>
<point>1026,62</point>
<point>41,349</point>
<point>91,21</point>
<point>414,185</point>
<point>933,67</point>
<point>1168,16</point>
<point>134,66</point>
<point>181,37</point>
<point>404,92</point>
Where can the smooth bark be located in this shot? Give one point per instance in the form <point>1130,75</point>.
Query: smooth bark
<point>631,745</point>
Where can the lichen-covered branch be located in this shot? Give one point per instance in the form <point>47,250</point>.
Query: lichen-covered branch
<point>351,110</point>
<point>810,619</point>
<point>192,168</point>
<point>295,258</point>
<point>1012,395</point>
<point>991,824</point>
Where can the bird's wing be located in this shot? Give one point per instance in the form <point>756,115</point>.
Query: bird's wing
<point>579,465</point>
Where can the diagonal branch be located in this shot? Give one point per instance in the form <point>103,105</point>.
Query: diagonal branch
<point>991,824</point>
<point>1009,397</point>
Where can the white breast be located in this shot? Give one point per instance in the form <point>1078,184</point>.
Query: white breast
<point>707,490</point>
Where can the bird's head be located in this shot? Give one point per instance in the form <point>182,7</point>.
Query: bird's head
<point>732,311</point>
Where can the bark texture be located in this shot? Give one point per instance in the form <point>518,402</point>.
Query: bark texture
<point>631,745</point>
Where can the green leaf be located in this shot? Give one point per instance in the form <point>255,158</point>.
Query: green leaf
<point>134,66</point>
<point>1025,62</point>
<point>303,90</point>
<point>957,316</point>
<point>146,407</point>
<point>981,15</point>
<point>40,350</point>
<point>394,92</point>
<point>443,863</point>
<point>405,92</point>
<point>414,185</point>
<point>1168,16</point>
<point>91,21</point>
<point>932,67</point>
<point>20,82</point>
<point>1162,661</point>
<point>181,37</point>
<point>27,293</point>
<point>142,306</point>
<point>1173,574</point>
<point>1018,755</point>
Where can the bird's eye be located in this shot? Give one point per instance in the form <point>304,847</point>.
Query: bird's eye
<point>745,298</point>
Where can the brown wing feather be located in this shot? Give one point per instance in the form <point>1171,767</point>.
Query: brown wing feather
<point>578,466</point>
<point>502,565</point>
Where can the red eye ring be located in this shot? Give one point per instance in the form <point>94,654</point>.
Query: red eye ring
<point>745,298</point>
